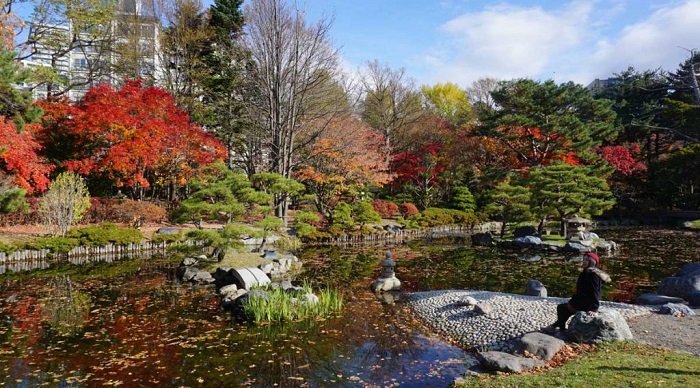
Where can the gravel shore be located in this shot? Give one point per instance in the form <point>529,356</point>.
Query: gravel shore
<point>511,316</point>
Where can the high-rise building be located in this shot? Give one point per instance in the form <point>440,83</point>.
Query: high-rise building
<point>73,61</point>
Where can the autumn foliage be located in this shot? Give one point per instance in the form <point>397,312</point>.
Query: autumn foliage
<point>623,158</point>
<point>20,157</point>
<point>385,209</point>
<point>135,137</point>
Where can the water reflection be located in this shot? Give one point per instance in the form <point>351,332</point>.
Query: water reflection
<point>145,328</point>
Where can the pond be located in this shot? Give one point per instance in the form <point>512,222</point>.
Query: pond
<point>132,323</point>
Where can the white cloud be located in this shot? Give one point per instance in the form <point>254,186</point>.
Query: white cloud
<point>507,41</point>
<point>658,41</point>
<point>580,41</point>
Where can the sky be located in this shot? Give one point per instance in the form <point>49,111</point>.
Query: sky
<point>460,41</point>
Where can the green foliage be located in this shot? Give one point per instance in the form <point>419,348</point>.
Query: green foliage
<point>462,199</point>
<point>303,230</point>
<point>449,102</point>
<point>564,190</point>
<point>12,198</point>
<point>210,237</point>
<point>15,103</point>
<point>531,114</point>
<point>105,234</point>
<point>288,244</point>
<point>306,217</point>
<point>432,217</point>
<point>66,201</point>
<point>409,223</point>
<point>53,244</point>
<point>269,224</point>
<point>342,216</point>
<point>509,204</point>
<point>220,192</point>
<point>280,306</point>
<point>363,213</point>
<point>676,179</point>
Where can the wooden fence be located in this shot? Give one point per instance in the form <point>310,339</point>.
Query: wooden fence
<point>28,260</point>
<point>402,236</point>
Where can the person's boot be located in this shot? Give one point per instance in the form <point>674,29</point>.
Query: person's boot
<point>551,329</point>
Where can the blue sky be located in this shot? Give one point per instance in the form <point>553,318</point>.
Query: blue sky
<point>462,40</point>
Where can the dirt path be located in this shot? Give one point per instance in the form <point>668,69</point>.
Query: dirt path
<point>663,330</point>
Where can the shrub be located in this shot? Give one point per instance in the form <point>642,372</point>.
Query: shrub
<point>438,217</point>
<point>342,216</point>
<point>385,209</point>
<point>363,213</point>
<point>105,234</point>
<point>127,211</point>
<point>409,223</point>
<point>64,203</point>
<point>53,244</point>
<point>408,209</point>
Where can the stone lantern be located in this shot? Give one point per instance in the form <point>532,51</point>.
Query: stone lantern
<point>387,280</point>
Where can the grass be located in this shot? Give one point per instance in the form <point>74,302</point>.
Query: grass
<point>281,306</point>
<point>695,224</point>
<point>618,364</point>
<point>237,260</point>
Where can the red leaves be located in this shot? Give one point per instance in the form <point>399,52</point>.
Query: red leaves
<point>622,157</point>
<point>19,154</point>
<point>134,136</point>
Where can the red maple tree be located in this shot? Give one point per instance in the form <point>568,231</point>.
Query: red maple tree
<point>136,137</point>
<point>20,159</point>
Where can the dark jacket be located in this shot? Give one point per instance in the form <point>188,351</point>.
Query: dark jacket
<point>587,296</point>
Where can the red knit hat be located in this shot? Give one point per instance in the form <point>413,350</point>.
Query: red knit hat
<point>593,257</point>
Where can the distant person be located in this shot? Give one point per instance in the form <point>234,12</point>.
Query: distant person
<point>587,294</point>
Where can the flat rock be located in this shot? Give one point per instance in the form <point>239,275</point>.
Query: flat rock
<point>541,345</point>
<point>656,299</point>
<point>505,362</point>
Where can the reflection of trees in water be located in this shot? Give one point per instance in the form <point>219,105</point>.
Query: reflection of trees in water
<point>65,308</point>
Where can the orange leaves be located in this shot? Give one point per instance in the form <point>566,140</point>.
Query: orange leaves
<point>134,136</point>
<point>19,152</point>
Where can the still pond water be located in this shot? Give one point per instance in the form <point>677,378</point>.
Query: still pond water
<point>143,328</point>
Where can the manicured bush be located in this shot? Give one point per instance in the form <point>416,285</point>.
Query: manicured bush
<point>105,234</point>
<point>53,244</point>
<point>126,210</point>
<point>432,217</point>
<point>363,213</point>
<point>385,209</point>
<point>408,209</point>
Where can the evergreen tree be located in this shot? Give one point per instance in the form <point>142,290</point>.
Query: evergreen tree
<point>15,104</point>
<point>563,190</point>
<point>543,122</point>
<point>509,204</point>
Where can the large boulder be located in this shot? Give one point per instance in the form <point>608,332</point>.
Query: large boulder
<point>535,288</point>
<point>505,362</point>
<point>694,298</point>
<point>606,325</point>
<point>483,240</point>
<point>683,283</point>
<point>527,242</point>
<point>576,247</point>
<point>523,231</point>
<point>539,344</point>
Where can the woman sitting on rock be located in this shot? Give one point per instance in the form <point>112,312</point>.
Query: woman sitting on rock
<point>587,294</point>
